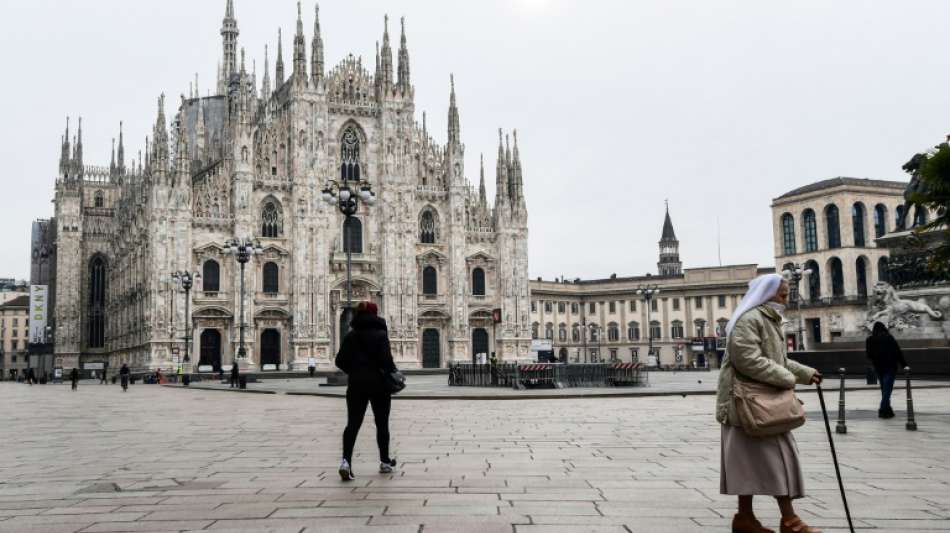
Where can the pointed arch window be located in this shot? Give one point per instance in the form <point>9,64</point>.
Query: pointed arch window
<point>430,281</point>
<point>833,226</point>
<point>98,199</point>
<point>427,227</point>
<point>353,235</point>
<point>810,229</point>
<point>271,278</point>
<point>478,282</point>
<point>880,220</point>
<point>857,223</point>
<point>96,305</point>
<point>350,154</point>
<point>272,220</point>
<point>211,276</point>
<point>788,234</point>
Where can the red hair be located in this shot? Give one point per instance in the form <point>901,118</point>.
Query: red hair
<point>367,307</point>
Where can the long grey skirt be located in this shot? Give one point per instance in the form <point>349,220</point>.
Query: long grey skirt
<point>759,465</point>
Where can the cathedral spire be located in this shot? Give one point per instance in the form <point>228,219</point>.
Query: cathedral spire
<point>159,157</point>
<point>229,36</point>
<point>501,175</point>
<point>454,129</point>
<point>316,52</point>
<point>386,56</point>
<point>279,80</point>
<point>120,163</point>
<point>265,87</point>
<point>403,79</point>
<point>112,161</point>
<point>482,196</point>
<point>300,51</point>
<point>517,195</point>
<point>77,154</point>
<point>64,153</point>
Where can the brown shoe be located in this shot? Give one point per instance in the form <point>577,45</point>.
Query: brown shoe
<point>746,523</point>
<point>795,525</point>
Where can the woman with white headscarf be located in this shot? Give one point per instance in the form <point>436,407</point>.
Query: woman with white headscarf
<point>750,465</point>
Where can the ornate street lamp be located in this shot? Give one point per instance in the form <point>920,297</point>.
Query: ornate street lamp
<point>242,249</point>
<point>794,274</point>
<point>648,292</point>
<point>186,280</point>
<point>346,196</point>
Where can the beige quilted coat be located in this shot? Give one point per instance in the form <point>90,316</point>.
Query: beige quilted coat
<point>757,350</point>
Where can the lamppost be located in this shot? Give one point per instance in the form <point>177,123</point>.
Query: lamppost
<point>794,274</point>
<point>346,196</point>
<point>186,280</point>
<point>242,249</point>
<point>648,292</point>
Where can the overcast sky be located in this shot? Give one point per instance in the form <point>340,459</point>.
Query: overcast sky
<point>717,105</point>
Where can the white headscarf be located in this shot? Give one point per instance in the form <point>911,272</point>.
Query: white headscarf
<point>761,290</point>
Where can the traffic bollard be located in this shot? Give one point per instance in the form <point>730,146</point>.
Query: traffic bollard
<point>911,424</point>
<point>841,427</point>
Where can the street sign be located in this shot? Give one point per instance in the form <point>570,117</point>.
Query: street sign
<point>542,345</point>
<point>93,366</point>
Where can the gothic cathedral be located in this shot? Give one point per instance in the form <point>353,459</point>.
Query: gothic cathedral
<point>448,271</point>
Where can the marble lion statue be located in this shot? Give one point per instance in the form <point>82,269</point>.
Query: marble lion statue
<point>885,306</point>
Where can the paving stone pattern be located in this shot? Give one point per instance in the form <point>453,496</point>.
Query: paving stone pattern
<point>164,459</point>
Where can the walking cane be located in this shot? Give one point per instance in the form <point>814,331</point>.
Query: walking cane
<point>834,456</point>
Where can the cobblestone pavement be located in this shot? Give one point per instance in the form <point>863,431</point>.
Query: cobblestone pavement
<point>164,459</point>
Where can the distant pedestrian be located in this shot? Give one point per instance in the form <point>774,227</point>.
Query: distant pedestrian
<point>313,370</point>
<point>760,465</point>
<point>235,374</point>
<point>124,376</point>
<point>158,377</point>
<point>365,355</point>
<point>102,377</point>
<point>885,355</point>
<point>74,378</point>
<point>30,376</point>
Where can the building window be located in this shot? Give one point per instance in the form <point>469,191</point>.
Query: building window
<point>633,331</point>
<point>574,308</point>
<point>633,306</point>
<point>857,223</point>
<point>562,332</point>
<point>814,281</point>
<point>676,331</point>
<point>861,273</point>
<point>561,307</point>
<point>837,278</point>
<point>676,304</point>
<point>594,333</point>
<point>272,221</point>
<point>271,278</point>
<point>549,331</point>
<point>654,305</point>
<point>613,354</point>
<point>810,230</point>
<point>898,215</point>
<point>700,327</point>
<point>699,302</point>
<point>575,333</point>
<point>547,307</point>
<point>721,327</point>
<point>97,199</point>
<point>534,306</point>
<point>211,276</point>
<point>430,281</point>
<point>593,307</point>
<point>534,330</point>
<point>478,282</point>
<point>656,332</point>
<point>427,227</point>
<point>350,155</point>
<point>833,226</point>
<point>96,306</point>
<point>722,301</point>
<point>634,355</point>
<point>880,220</point>
<point>613,307</point>
<point>788,234</point>
<point>613,332</point>
<point>882,270</point>
<point>353,235</point>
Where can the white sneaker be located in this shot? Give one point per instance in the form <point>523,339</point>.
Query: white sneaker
<point>346,472</point>
<point>387,468</point>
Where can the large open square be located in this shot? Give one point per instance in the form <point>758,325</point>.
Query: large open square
<point>166,459</point>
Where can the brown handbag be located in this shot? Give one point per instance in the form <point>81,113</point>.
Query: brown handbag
<point>765,410</point>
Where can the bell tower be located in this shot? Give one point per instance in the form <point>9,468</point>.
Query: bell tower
<point>669,264</point>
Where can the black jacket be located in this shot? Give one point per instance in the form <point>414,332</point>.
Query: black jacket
<point>365,353</point>
<point>884,353</point>
<point>124,371</point>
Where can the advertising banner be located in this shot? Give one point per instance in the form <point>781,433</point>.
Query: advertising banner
<point>38,309</point>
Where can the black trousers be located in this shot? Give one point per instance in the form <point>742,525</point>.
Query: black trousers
<point>357,399</point>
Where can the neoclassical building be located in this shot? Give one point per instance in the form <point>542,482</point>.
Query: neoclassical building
<point>830,227</point>
<point>447,268</point>
<point>603,320</point>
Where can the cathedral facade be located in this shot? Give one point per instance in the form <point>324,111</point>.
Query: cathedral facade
<point>448,270</point>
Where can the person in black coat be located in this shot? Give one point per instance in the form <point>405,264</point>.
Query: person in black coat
<point>365,355</point>
<point>74,378</point>
<point>235,375</point>
<point>885,355</point>
<point>124,376</point>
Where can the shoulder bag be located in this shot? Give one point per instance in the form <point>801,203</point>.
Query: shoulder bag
<point>393,382</point>
<point>765,410</point>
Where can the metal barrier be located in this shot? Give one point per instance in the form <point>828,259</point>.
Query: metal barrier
<point>550,375</point>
